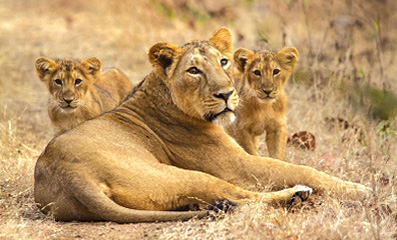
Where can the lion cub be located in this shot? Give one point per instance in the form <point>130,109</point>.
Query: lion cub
<point>263,100</point>
<point>80,90</point>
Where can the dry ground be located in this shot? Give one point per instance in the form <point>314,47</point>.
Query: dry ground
<point>346,69</point>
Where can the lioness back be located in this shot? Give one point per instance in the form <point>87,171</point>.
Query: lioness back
<point>263,75</point>
<point>80,90</point>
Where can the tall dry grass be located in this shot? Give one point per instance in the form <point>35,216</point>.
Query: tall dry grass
<point>346,69</point>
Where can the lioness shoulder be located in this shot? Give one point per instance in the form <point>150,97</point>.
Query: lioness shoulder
<point>80,90</point>
<point>263,100</point>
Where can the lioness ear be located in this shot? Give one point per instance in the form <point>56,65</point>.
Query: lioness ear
<point>92,66</point>
<point>161,56</point>
<point>241,57</point>
<point>287,57</point>
<point>44,66</point>
<point>222,40</point>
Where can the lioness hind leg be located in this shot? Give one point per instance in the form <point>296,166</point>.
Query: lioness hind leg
<point>176,188</point>
<point>201,188</point>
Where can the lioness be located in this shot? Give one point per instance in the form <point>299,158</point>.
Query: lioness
<point>161,150</point>
<point>80,90</point>
<point>263,100</point>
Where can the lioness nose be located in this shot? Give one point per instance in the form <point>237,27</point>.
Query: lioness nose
<point>68,101</point>
<point>224,95</point>
<point>268,91</point>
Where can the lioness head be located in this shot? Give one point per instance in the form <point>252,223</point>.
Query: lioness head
<point>68,81</point>
<point>266,72</point>
<point>198,76</point>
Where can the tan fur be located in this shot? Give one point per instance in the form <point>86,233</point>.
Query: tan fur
<point>99,90</point>
<point>161,149</point>
<point>260,111</point>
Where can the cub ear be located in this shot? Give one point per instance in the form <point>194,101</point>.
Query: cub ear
<point>222,40</point>
<point>287,57</point>
<point>162,56</point>
<point>92,66</point>
<point>241,56</point>
<point>44,66</point>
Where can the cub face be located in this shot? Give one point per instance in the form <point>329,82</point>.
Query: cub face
<point>266,72</point>
<point>68,81</point>
<point>198,76</point>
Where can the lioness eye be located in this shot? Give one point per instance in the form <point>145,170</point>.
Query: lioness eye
<point>224,62</point>
<point>276,71</point>
<point>193,70</point>
<point>58,81</point>
<point>257,72</point>
<point>77,81</point>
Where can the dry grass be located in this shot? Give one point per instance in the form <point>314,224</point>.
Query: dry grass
<point>345,46</point>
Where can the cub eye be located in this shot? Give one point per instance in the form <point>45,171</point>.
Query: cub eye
<point>77,81</point>
<point>193,70</point>
<point>257,72</point>
<point>276,71</point>
<point>224,62</point>
<point>58,81</point>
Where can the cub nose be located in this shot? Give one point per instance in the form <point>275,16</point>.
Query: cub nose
<point>268,91</point>
<point>68,101</point>
<point>224,95</point>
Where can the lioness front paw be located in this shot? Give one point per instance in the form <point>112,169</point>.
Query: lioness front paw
<point>302,193</point>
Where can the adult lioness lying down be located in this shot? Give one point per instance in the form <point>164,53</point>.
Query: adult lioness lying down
<point>161,149</point>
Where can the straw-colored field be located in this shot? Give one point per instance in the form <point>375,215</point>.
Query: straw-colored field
<point>346,70</point>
